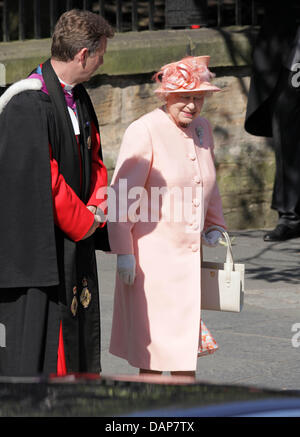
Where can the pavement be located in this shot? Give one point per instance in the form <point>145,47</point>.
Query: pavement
<point>258,347</point>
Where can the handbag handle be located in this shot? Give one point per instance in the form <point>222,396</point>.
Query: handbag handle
<point>229,255</point>
<point>228,266</point>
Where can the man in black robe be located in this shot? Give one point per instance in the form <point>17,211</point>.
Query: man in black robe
<point>274,107</point>
<point>51,171</point>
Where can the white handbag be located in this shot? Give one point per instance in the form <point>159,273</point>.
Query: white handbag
<point>222,284</point>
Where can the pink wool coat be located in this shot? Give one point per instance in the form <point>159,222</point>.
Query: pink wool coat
<point>156,321</point>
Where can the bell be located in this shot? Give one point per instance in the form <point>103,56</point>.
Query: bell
<point>74,306</point>
<point>85,297</point>
<point>89,142</point>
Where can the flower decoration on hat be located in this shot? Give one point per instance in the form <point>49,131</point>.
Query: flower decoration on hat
<point>191,74</point>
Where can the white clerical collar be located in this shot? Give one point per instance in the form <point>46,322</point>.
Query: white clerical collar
<point>74,119</point>
<point>67,87</point>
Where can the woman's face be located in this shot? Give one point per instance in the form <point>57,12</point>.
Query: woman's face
<point>184,107</point>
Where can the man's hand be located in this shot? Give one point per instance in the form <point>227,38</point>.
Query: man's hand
<point>92,208</point>
<point>95,225</point>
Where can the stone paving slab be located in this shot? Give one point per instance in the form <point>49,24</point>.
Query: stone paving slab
<point>255,346</point>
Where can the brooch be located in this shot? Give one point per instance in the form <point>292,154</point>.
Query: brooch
<point>199,132</point>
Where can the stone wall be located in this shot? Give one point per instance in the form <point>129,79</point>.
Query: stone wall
<point>122,91</point>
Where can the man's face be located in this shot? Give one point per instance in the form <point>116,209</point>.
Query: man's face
<point>93,62</point>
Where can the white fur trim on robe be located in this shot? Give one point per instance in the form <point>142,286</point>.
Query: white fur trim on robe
<point>17,88</point>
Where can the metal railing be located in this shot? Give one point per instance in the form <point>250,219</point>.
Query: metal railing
<point>25,19</point>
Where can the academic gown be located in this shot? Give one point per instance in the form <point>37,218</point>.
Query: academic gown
<point>274,102</point>
<point>277,46</point>
<point>48,281</point>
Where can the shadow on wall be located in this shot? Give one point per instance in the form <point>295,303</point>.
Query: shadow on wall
<point>246,184</point>
<point>238,54</point>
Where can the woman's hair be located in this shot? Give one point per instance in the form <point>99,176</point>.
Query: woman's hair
<point>77,29</point>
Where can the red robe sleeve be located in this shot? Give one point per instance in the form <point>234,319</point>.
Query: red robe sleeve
<point>70,213</point>
<point>99,175</point>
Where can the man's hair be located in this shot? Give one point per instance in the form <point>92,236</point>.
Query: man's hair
<point>77,29</point>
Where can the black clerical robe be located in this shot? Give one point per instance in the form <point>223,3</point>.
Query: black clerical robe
<point>47,279</point>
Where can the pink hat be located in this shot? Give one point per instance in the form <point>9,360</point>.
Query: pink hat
<point>191,74</point>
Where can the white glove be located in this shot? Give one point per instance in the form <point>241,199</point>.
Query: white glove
<point>126,268</point>
<point>211,238</point>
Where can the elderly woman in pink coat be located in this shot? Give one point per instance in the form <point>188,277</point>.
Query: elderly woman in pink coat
<point>167,196</point>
